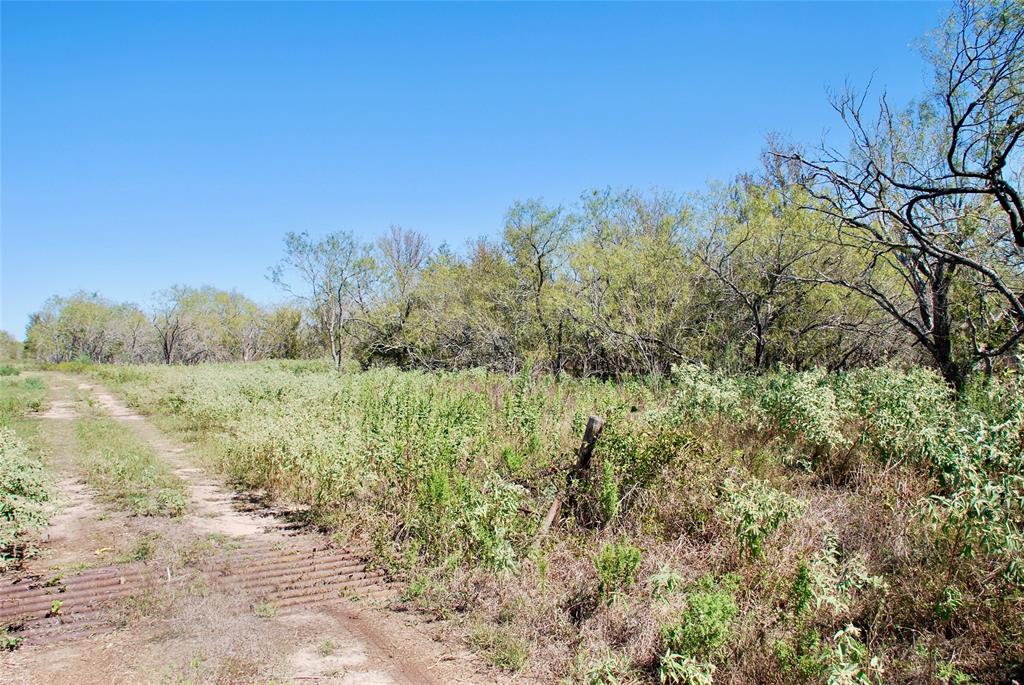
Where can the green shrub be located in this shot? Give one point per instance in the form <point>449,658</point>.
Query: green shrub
<point>608,497</point>
<point>803,658</point>
<point>24,493</point>
<point>755,510</point>
<point>803,404</point>
<point>676,669</point>
<point>20,396</point>
<point>850,661</point>
<point>606,669</point>
<point>706,625</point>
<point>906,414</point>
<point>617,564</point>
<point>979,512</point>
<point>665,583</point>
<point>633,454</point>
<point>80,364</point>
<point>500,647</point>
<point>703,395</point>
<point>8,642</point>
<point>951,600</point>
<point>8,370</point>
<point>801,591</point>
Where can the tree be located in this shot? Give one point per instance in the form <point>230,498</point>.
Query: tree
<point>10,347</point>
<point>924,203</point>
<point>282,337</point>
<point>86,325</point>
<point>331,276</point>
<point>173,322</point>
<point>400,255</point>
<point>535,238</point>
<point>760,251</point>
<point>631,282</point>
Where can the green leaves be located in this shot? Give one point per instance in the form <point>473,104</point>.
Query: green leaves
<point>755,510</point>
<point>617,564</point>
<point>24,492</point>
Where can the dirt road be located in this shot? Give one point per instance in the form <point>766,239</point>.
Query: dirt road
<point>231,592</point>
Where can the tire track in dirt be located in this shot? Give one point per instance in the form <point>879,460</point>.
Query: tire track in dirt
<point>268,602</point>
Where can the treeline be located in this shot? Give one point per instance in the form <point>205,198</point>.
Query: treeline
<point>185,325</point>
<point>622,283</point>
<point>907,246</point>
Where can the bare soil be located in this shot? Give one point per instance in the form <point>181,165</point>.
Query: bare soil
<point>228,593</point>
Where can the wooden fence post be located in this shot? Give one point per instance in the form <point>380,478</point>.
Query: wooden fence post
<point>595,424</point>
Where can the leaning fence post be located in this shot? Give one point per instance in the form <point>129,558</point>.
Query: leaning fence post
<point>595,424</point>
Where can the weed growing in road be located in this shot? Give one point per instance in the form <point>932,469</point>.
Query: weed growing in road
<point>264,610</point>
<point>144,548</point>
<point>8,642</point>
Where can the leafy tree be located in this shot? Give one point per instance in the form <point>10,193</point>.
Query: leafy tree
<point>400,256</point>
<point>535,238</point>
<point>10,347</point>
<point>631,280</point>
<point>87,325</point>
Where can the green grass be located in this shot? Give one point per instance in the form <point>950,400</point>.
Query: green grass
<point>126,471</point>
<point>264,610</point>
<point>20,397</point>
<point>499,647</point>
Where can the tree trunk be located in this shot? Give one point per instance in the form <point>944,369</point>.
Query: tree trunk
<point>953,373</point>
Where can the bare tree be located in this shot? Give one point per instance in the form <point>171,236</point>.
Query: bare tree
<point>331,279</point>
<point>926,202</point>
<point>401,256</point>
<point>171,321</point>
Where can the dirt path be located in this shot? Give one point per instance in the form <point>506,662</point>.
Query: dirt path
<point>228,593</point>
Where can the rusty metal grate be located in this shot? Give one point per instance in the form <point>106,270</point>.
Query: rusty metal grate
<point>288,578</point>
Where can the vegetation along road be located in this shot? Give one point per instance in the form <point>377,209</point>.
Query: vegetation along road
<point>153,571</point>
<point>793,526</point>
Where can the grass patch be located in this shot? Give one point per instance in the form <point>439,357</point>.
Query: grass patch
<point>20,396</point>
<point>143,550</point>
<point>126,471</point>
<point>501,648</point>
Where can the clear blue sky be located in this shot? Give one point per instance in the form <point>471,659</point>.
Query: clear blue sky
<point>149,144</point>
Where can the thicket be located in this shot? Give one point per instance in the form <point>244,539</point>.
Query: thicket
<point>793,526</point>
